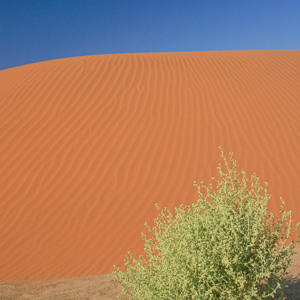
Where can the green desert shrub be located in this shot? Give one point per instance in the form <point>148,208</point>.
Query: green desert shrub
<point>225,246</point>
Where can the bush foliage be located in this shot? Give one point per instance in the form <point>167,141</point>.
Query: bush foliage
<point>225,246</point>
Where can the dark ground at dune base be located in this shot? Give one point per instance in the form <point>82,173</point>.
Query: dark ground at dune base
<point>105,287</point>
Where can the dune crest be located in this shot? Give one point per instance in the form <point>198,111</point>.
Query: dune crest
<point>89,144</point>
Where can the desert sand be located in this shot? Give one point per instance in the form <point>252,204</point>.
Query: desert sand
<point>89,144</point>
<point>104,287</point>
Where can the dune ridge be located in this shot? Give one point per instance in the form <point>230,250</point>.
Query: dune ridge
<point>89,144</point>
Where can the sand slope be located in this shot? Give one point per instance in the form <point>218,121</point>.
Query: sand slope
<point>89,144</point>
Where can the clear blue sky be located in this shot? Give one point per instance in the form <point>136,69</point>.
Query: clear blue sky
<point>38,30</point>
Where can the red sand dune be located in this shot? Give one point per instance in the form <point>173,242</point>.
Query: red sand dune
<point>89,144</point>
